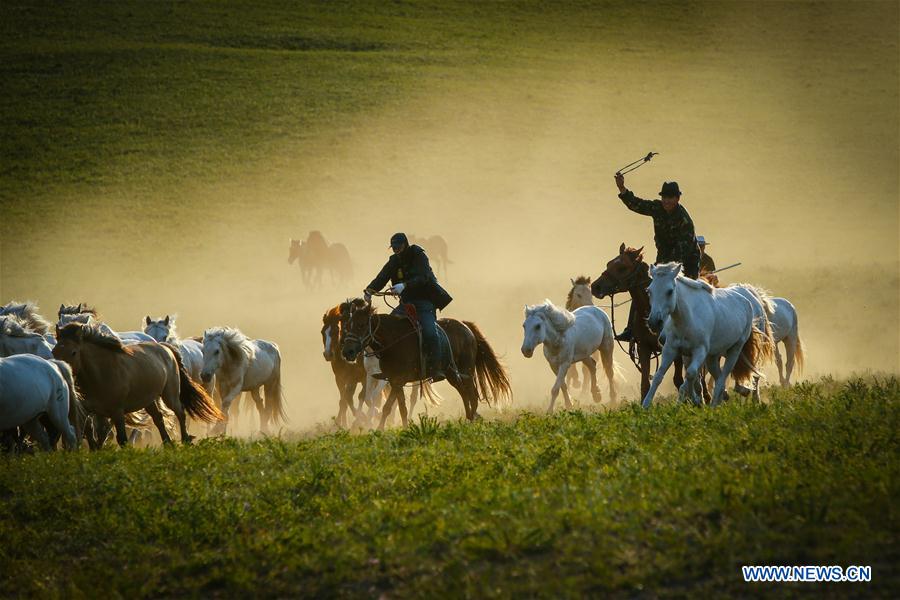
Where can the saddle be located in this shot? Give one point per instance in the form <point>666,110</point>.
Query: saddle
<point>409,311</point>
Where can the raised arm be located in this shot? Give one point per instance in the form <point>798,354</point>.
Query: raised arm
<point>632,202</point>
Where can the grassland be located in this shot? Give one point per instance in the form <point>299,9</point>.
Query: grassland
<point>668,502</point>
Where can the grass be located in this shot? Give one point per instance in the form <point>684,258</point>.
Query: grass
<point>669,502</point>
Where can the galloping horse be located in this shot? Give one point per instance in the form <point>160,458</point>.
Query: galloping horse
<point>786,329</point>
<point>579,295</point>
<point>629,273</point>
<point>116,379</point>
<point>705,324</point>
<point>568,338</point>
<point>315,255</point>
<point>163,330</point>
<point>473,369</point>
<point>244,365</point>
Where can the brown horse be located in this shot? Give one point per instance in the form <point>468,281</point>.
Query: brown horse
<point>115,379</point>
<point>347,374</point>
<point>473,369</point>
<point>629,273</point>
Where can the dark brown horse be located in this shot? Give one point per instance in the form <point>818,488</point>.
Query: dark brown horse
<point>115,379</point>
<point>629,273</point>
<point>474,369</point>
<point>347,374</point>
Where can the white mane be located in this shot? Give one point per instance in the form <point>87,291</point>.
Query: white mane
<point>13,326</point>
<point>27,311</point>
<point>559,318</point>
<point>762,294</point>
<point>670,269</point>
<point>235,342</point>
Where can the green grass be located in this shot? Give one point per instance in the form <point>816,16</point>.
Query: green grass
<point>666,502</point>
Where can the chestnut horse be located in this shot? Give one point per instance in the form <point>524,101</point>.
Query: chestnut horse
<point>115,379</point>
<point>472,369</point>
<point>629,273</point>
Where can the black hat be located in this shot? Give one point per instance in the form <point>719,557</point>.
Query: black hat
<point>670,188</point>
<point>398,240</point>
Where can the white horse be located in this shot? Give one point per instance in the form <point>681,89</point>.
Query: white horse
<point>763,311</point>
<point>27,312</point>
<point>29,387</point>
<point>786,329</point>
<point>163,330</point>
<point>703,324</point>
<point>579,295</point>
<point>568,338</point>
<point>244,365</point>
<point>16,338</point>
<point>82,313</point>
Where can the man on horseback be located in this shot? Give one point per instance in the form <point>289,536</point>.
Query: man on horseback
<point>673,231</point>
<point>414,282</point>
<point>707,264</point>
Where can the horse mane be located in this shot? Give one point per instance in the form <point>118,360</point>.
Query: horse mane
<point>27,312</point>
<point>237,345</point>
<point>12,325</point>
<point>763,295</point>
<point>93,334</point>
<point>559,318</point>
<point>332,314</point>
<point>669,269</point>
<point>76,309</point>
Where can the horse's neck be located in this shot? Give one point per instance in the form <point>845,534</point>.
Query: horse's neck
<point>553,337</point>
<point>388,329</point>
<point>683,315</point>
<point>91,375</point>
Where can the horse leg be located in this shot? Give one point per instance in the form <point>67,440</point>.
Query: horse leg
<point>572,378</point>
<point>121,434</point>
<point>103,427</point>
<point>781,378</point>
<point>37,433</point>
<point>678,376</point>
<point>227,399</point>
<point>261,409</point>
<point>388,405</point>
<point>644,362</point>
<point>402,403</point>
<point>668,357</point>
<point>790,348</point>
<point>414,395</point>
<point>692,376</point>
<point>156,415</point>
<point>731,358</point>
<point>590,366</point>
<point>558,384</point>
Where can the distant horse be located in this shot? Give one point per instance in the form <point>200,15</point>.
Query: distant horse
<point>472,369</point>
<point>115,379</point>
<point>315,255</point>
<point>628,273</point>
<point>27,312</point>
<point>704,324</point>
<point>569,338</point>
<point>16,338</point>
<point>87,315</point>
<point>436,249</point>
<point>244,365</point>
<point>786,329</point>
<point>31,386</point>
<point>163,330</point>
<point>579,295</point>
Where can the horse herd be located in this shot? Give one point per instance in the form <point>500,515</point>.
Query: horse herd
<point>77,379</point>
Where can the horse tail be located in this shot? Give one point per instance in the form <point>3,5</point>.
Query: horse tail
<point>491,379</point>
<point>194,398</point>
<point>427,391</point>
<point>275,396</point>
<point>798,350</point>
<point>77,414</point>
<point>755,347</point>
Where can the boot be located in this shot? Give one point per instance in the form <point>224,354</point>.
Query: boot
<point>625,336</point>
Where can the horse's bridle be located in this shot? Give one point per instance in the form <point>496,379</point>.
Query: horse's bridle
<point>628,283</point>
<point>364,341</point>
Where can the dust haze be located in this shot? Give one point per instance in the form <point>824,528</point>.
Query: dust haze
<point>783,140</point>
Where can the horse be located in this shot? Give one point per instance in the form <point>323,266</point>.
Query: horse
<point>17,338</point>
<point>315,255</point>
<point>569,338</point>
<point>87,315</point>
<point>360,372</point>
<point>786,329</point>
<point>244,365</point>
<point>436,249</point>
<point>629,273</point>
<point>704,324</point>
<point>763,310</point>
<point>163,330</point>
<point>27,312</point>
<point>115,379</point>
<point>30,387</point>
<point>579,295</point>
<point>472,369</point>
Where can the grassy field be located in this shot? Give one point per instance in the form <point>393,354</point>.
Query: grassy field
<point>669,502</point>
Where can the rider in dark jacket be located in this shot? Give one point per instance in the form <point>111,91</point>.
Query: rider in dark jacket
<point>413,280</point>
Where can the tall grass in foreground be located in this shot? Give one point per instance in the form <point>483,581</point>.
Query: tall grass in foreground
<point>669,502</point>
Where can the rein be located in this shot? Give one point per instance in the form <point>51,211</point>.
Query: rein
<point>629,283</point>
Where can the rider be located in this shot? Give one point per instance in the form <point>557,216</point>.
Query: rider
<point>707,264</point>
<point>673,232</point>
<point>413,280</point>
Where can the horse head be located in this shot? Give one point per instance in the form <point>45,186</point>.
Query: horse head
<point>663,297</point>
<point>158,329</point>
<point>357,328</point>
<point>68,346</point>
<point>620,274</point>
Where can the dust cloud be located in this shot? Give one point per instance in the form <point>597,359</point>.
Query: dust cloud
<point>787,158</point>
